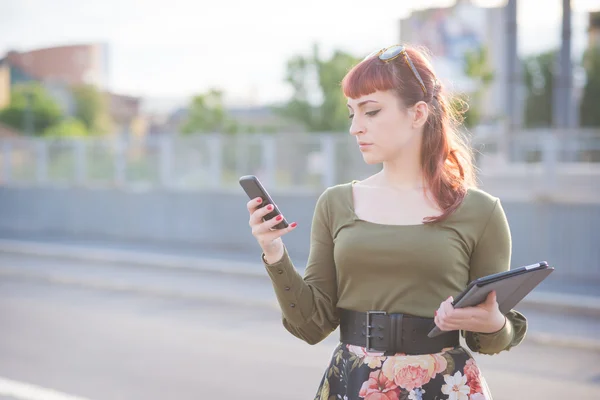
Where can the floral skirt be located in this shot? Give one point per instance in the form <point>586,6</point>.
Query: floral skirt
<point>355,374</point>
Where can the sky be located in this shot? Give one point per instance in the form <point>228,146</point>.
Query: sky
<point>168,50</point>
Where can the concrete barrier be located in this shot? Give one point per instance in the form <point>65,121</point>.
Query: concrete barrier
<point>566,235</point>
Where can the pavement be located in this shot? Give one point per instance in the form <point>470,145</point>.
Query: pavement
<point>71,343</point>
<point>226,277</point>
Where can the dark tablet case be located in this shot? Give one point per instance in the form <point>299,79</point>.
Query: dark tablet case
<point>510,286</point>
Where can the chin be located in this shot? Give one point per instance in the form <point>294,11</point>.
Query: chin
<point>371,159</point>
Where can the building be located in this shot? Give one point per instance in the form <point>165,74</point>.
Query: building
<point>60,68</point>
<point>68,65</point>
<point>126,114</point>
<point>448,33</point>
<point>250,119</point>
<point>57,68</point>
<point>8,132</point>
<point>594,29</point>
<point>4,84</point>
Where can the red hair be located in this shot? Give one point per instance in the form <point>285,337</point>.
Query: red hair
<point>446,158</point>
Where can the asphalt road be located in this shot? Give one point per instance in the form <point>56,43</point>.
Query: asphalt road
<point>107,345</point>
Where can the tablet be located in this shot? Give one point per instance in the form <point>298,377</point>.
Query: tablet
<point>511,287</point>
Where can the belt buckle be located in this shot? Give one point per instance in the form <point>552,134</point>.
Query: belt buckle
<point>369,327</point>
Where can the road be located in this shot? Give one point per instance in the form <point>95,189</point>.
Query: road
<point>104,344</point>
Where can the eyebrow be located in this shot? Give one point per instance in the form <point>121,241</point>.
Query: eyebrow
<point>362,103</point>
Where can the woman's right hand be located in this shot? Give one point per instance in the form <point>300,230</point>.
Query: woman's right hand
<point>268,238</point>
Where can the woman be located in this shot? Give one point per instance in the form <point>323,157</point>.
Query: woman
<point>388,253</point>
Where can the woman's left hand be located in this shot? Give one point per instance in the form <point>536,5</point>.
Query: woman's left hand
<point>483,318</point>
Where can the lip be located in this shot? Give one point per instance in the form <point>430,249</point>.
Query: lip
<point>363,145</point>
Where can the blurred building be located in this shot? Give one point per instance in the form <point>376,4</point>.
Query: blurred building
<point>4,84</point>
<point>7,131</point>
<point>263,119</point>
<point>452,31</point>
<point>69,65</point>
<point>126,114</point>
<point>60,68</point>
<point>594,29</point>
<point>251,119</point>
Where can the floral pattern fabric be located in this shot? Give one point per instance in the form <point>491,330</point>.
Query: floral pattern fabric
<point>355,374</point>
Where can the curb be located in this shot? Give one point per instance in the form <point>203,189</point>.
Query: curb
<point>115,286</point>
<point>142,259</point>
<point>583,305</point>
<point>561,341</point>
<point>542,301</point>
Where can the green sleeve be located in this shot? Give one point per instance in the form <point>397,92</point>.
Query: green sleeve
<point>492,255</point>
<point>308,303</point>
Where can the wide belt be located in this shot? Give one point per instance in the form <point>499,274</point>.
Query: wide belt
<point>398,333</point>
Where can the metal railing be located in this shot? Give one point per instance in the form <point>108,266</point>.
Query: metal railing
<point>283,161</point>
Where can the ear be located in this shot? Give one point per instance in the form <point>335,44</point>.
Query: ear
<point>420,114</point>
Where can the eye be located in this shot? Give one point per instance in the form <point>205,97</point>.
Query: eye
<point>372,113</point>
<point>351,116</point>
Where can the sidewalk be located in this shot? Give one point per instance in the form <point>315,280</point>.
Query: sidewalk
<point>559,313</point>
<point>179,256</point>
<point>569,296</point>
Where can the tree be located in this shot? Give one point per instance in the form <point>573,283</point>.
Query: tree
<point>91,108</point>
<point>31,110</point>
<point>477,66</point>
<point>539,84</point>
<point>207,114</point>
<point>69,127</point>
<point>590,101</point>
<point>317,101</point>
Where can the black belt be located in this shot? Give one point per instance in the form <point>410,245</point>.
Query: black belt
<point>398,333</point>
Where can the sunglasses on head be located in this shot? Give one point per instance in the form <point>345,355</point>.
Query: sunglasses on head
<point>390,53</point>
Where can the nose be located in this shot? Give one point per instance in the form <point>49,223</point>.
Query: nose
<point>356,127</point>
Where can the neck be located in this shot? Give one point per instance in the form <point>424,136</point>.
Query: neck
<point>403,172</point>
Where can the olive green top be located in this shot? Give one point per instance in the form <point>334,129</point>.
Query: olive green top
<point>360,265</point>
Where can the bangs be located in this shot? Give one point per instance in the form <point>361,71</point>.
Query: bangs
<point>367,77</point>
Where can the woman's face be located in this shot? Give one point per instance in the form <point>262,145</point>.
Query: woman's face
<point>384,128</point>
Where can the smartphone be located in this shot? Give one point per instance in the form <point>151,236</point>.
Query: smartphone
<point>253,188</point>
